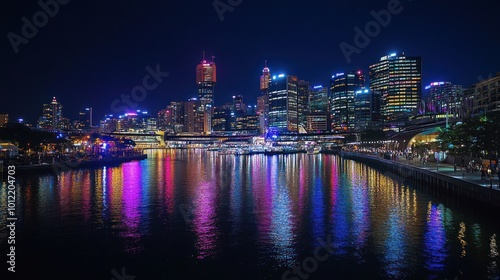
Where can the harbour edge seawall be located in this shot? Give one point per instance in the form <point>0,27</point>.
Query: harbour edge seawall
<point>435,183</point>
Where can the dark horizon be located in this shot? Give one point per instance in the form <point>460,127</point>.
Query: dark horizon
<point>88,55</point>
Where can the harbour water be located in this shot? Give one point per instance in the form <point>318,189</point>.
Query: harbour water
<point>194,214</point>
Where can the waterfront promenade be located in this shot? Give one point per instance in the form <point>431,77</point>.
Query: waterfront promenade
<point>446,169</point>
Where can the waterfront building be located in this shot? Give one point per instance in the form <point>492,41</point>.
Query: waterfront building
<point>317,117</point>
<point>363,111</point>
<point>343,87</point>
<point>487,96</point>
<point>109,124</point>
<point>443,99</point>
<point>171,119</point>
<point>137,122</point>
<point>398,78</point>
<point>283,103</point>
<point>4,119</point>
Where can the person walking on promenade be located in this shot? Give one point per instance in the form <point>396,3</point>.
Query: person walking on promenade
<point>483,172</point>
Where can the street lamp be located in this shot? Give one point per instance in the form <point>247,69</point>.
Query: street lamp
<point>90,109</point>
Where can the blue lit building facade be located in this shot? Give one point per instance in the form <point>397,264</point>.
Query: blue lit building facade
<point>343,87</point>
<point>283,108</point>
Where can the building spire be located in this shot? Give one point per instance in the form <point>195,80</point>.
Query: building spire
<point>203,55</point>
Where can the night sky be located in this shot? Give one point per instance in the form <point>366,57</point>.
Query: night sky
<point>91,52</point>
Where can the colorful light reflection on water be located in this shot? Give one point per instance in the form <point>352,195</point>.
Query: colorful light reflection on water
<point>192,213</point>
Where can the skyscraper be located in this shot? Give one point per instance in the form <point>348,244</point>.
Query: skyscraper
<point>263,99</point>
<point>343,87</point>
<point>283,103</point>
<point>303,92</point>
<point>265,79</point>
<point>363,109</point>
<point>52,115</point>
<point>398,78</point>
<point>206,77</point>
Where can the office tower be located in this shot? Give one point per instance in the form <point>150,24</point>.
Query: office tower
<point>194,116</point>
<point>362,109</point>
<point>487,96</point>
<point>263,99</point>
<point>283,103</point>
<point>51,116</point>
<point>318,100</point>
<point>443,98</point>
<point>343,87</point>
<point>206,77</point>
<point>4,120</point>
<point>303,92</point>
<point>398,78</point>
<point>317,118</point>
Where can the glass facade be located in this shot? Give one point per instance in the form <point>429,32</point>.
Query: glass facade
<point>399,80</point>
<point>283,112</point>
<point>343,87</point>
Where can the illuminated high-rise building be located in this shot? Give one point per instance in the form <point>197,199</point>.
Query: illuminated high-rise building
<point>52,115</point>
<point>343,87</point>
<point>303,92</point>
<point>443,98</point>
<point>206,77</point>
<point>283,103</point>
<point>265,79</point>
<point>398,78</point>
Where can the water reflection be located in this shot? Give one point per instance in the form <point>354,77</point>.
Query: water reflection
<point>435,239</point>
<point>272,209</point>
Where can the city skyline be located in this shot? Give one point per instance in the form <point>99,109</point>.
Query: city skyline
<point>90,68</point>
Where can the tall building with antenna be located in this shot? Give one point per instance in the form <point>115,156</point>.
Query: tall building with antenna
<point>263,99</point>
<point>206,77</point>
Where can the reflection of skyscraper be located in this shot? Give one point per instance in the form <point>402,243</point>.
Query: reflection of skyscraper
<point>343,87</point>
<point>398,79</point>
<point>206,77</point>
<point>283,103</point>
